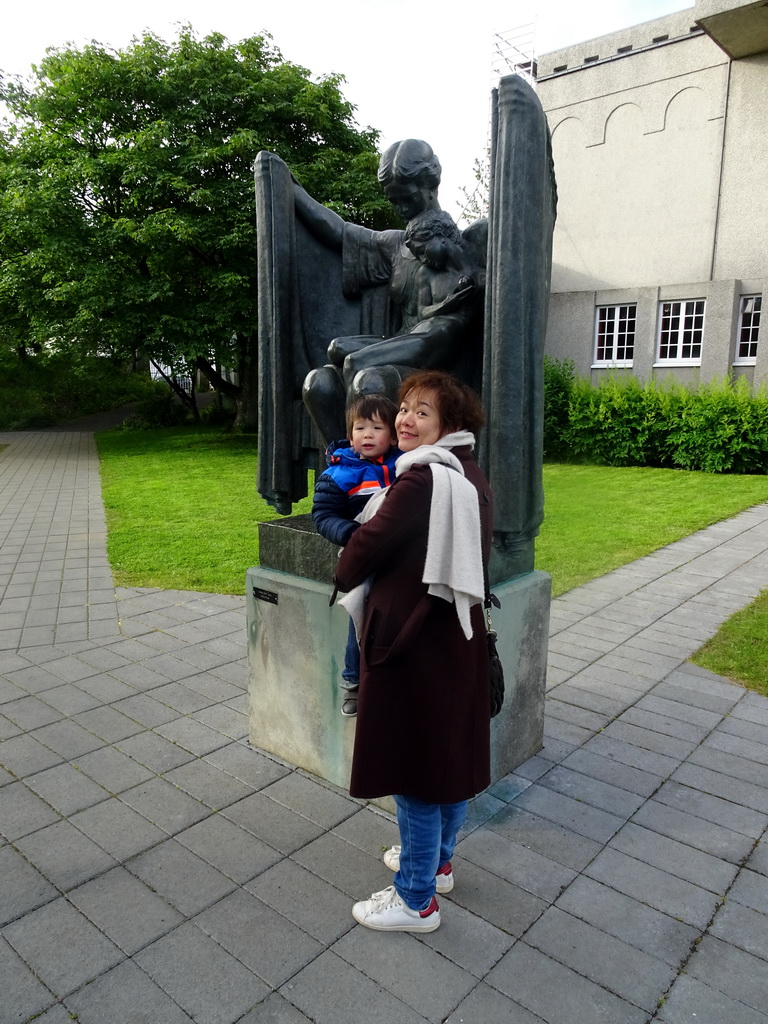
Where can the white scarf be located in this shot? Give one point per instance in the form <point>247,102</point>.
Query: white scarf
<point>453,569</point>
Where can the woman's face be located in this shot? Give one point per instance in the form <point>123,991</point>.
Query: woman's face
<point>418,420</point>
<point>408,198</point>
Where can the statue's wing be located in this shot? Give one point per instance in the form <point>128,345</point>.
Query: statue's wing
<point>301,308</point>
<point>474,238</point>
<point>519,263</point>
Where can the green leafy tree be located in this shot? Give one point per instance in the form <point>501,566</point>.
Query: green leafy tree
<point>126,195</point>
<point>477,198</point>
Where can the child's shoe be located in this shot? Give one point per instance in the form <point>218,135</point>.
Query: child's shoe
<point>349,704</point>
<point>443,878</point>
<point>385,911</point>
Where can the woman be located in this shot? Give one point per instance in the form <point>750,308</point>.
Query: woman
<point>423,711</point>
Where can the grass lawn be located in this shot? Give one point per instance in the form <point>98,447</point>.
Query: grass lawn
<point>182,510</point>
<point>600,517</point>
<point>740,648</point>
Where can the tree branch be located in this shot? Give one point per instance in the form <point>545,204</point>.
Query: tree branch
<point>226,387</point>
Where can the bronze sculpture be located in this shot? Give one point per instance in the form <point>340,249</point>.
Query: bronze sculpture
<point>407,333</point>
<point>345,309</point>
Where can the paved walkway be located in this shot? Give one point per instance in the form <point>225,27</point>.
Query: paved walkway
<point>154,868</point>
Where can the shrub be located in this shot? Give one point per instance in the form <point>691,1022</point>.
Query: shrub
<point>55,387</point>
<point>559,377</point>
<point>160,408</point>
<point>605,423</point>
<point>718,427</point>
<point>215,415</point>
<point>721,428</point>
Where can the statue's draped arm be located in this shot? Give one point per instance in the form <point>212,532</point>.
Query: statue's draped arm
<point>302,305</point>
<point>325,224</point>
<point>521,222</point>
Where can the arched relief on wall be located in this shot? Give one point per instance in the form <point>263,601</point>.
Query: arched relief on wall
<point>589,115</point>
<point>568,139</point>
<point>555,124</point>
<point>704,100</point>
<point>687,110</point>
<point>624,124</point>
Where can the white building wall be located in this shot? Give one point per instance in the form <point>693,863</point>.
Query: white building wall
<point>661,158</point>
<point>742,237</point>
<point>637,161</point>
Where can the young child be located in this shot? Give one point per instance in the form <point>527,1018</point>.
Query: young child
<point>357,469</point>
<point>446,277</point>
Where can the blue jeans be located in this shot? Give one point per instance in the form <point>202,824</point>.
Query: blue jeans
<point>351,673</point>
<point>428,838</point>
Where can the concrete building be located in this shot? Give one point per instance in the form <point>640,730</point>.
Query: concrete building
<point>660,138</point>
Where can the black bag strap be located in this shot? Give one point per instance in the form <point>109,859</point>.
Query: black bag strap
<point>490,599</point>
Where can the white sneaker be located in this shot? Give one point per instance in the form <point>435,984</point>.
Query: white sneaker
<point>386,912</point>
<point>392,858</point>
<point>443,878</point>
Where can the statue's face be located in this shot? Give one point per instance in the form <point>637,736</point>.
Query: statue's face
<point>408,198</point>
<point>434,250</point>
<point>436,253</point>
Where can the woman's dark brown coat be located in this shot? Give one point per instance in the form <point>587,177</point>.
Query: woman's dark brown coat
<point>423,725</point>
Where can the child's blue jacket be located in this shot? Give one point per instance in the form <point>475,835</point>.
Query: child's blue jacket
<point>344,488</point>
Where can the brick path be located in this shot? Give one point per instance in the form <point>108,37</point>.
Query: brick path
<point>155,868</point>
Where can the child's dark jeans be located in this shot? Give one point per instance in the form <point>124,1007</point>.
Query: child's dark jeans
<point>351,674</point>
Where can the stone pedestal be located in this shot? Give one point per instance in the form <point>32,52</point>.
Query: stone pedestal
<point>296,647</point>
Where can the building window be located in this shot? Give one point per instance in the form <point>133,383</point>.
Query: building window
<point>680,331</point>
<point>749,328</point>
<point>615,335</point>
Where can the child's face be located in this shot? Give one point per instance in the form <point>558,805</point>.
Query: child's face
<point>430,249</point>
<point>371,438</point>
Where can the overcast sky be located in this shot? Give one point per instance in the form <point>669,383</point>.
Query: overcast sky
<point>413,68</point>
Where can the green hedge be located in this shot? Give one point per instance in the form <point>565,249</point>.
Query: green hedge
<point>720,427</point>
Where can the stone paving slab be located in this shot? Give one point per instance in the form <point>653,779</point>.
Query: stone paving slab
<point>557,993</point>
<point>620,968</point>
<point>155,867</point>
<point>635,923</point>
<point>691,999</point>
